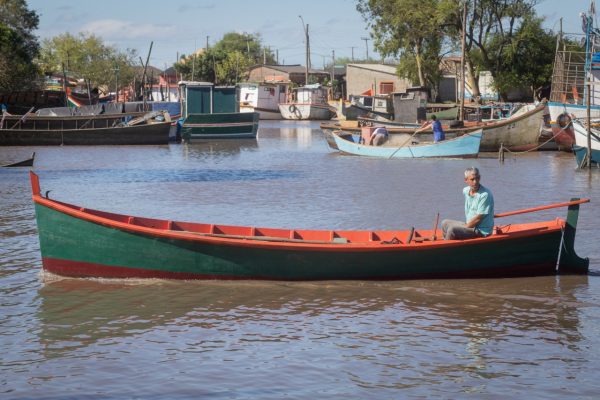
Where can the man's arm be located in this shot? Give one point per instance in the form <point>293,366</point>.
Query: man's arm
<point>475,221</point>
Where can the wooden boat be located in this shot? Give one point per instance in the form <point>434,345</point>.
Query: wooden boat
<point>363,105</point>
<point>263,98</point>
<point>80,242</point>
<point>211,112</point>
<point>573,70</point>
<point>520,132</point>
<point>580,148</point>
<point>464,146</point>
<point>310,103</point>
<point>24,163</point>
<point>117,129</point>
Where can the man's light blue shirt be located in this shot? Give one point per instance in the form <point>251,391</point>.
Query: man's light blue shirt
<point>482,203</point>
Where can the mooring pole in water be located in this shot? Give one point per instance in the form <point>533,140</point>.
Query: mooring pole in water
<point>588,157</point>
<point>501,153</point>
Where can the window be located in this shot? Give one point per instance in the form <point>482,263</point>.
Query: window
<point>386,87</point>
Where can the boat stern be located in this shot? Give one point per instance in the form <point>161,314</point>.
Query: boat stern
<point>569,262</point>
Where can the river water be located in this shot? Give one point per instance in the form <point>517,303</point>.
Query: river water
<point>115,339</point>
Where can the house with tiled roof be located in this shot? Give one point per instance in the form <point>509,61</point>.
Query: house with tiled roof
<point>294,73</point>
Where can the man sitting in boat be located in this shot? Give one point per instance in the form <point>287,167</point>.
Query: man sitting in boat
<point>436,126</point>
<point>479,211</point>
<point>379,136</point>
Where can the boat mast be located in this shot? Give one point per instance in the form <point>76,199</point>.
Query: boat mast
<point>307,49</point>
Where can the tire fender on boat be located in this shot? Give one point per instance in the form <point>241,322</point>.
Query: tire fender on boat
<point>563,120</point>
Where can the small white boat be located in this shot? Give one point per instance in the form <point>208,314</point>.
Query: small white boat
<point>263,98</point>
<point>310,103</point>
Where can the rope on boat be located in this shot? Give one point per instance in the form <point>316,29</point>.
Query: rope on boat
<point>516,153</point>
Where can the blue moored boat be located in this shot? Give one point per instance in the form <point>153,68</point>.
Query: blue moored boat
<point>463,146</point>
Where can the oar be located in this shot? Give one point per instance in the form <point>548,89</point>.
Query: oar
<point>534,209</point>
<point>407,140</point>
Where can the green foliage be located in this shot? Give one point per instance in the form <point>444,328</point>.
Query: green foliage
<point>409,29</point>
<point>226,62</point>
<point>18,46</point>
<point>86,56</point>
<point>526,60</point>
<point>498,34</point>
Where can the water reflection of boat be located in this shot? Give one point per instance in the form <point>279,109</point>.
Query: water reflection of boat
<point>220,147</point>
<point>75,313</point>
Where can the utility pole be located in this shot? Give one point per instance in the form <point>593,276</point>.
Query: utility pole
<point>366,39</point>
<point>264,56</point>
<point>277,56</point>
<point>116,69</point>
<point>207,42</point>
<point>332,67</point>
<point>305,26</point>
<point>194,60</point>
<point>352,52</point>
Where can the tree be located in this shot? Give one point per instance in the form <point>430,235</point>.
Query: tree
<point>527,61</point>
<point>227,61</point>
<point>495,30</point>
<point>410,29</point>
<point>17,24</point>
<point>86,56</point>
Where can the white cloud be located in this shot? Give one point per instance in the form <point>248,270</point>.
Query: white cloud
<point>112,29</point>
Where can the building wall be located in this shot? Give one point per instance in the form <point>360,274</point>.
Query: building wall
<point>359,80</point>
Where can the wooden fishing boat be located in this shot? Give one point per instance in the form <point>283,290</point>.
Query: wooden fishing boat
<point>212,112</point>
<point>310,103</point>
<point>580,148</point>
<point>23,163</point>
<point>520,132</point>
<point>117,129</point>
<point>263,97</point>
<point>80,242</point>
<point>464,146</point>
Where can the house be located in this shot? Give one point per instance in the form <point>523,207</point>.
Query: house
<point>373,79</point>
<point>293,73</point>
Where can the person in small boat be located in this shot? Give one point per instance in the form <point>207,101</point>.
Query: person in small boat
<point>436,126</point>
<point>379,136</point>
<point>479,211</point>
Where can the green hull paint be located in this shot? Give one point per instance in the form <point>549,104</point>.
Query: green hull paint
<point>224,125</point>
<point>63,237</point>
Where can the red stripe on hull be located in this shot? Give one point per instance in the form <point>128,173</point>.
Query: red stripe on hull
<point>78,269</point>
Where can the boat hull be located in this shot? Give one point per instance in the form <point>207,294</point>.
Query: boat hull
<point>150,134</point>
<point>264,113</point>
<point>297,111</point>
<point>562,128</point>
<point>220,126</point>
<point>463,146</point>
<point>580,147</point>
<point>113,253</point>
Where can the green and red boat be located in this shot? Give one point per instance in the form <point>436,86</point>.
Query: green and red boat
<point>80,242</point>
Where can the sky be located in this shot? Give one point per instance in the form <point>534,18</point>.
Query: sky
<point>179,26</point>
